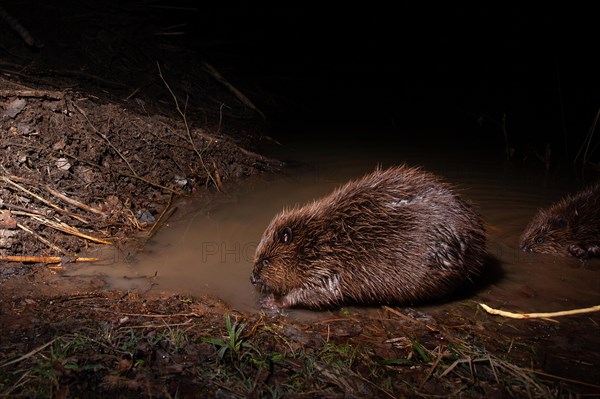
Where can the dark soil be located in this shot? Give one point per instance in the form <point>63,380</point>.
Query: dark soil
<point>102,130</point>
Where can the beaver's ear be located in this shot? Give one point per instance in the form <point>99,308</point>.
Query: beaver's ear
<point>285,235</point>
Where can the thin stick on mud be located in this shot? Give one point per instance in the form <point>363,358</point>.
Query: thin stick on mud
<point>156,315</point>
<point>65,228</point>
<point>187,127</point>
<point>99,133</point>
<point>50,94</point>
<point>538,315</point>
<point>43,200</point>
<point>46,259</point>
<point>41,239</point>
<point>154,228</point>
<point>523,375</point>
<point>438,359</point>
<point>28,355</point>
<point>405,317</point>
<point>74,202</point>
<point>245,100</point>
<point>559,378</point>
<point>100,167</point>
<point>164,325</point>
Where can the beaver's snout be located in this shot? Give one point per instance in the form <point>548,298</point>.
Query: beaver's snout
<point>526,248</point>
<point>258,266</point>
<point>259,283</point>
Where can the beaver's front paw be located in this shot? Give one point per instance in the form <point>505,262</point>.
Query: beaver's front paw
<point>269,303</point>
<point>593,250</point>
<point>578,251</point>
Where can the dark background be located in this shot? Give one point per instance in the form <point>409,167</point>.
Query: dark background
<point>442,65</point>
<point>387,66</point>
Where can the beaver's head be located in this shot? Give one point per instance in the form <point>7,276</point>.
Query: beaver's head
<point>548,233</point>
<point>280,261</point>
<point>298,249</point>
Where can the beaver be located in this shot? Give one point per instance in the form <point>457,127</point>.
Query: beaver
<point>570,227</point>
<point>395,236</point>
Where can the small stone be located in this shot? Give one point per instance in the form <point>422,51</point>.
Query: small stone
<point>146,218</point>
<point>180,181</point>
<point>63,164</point>
<point>6,220</point>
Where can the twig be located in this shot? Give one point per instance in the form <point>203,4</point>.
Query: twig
<point>65,228</point>
<point>25,213</point>
<point>253,154</point>
<point>22,381</point>
<point>46,259</point>
<point>515,371</point>
<point>123,174</point>
<point>74,202</point>
<point>569,380</point>
<point>218,180</point>
<point>165,325</point>
<point>538,315</point>
<point>15,25</point>
<point>468,360</point>
<point>588,139</point>
<point>28,355</point>
<point>82,112</point>
<point>493,369</point>
<point>405,317</point>
<point>187,127</point>
<point>41,239</point>
<point>103,169</point>
<point>245,100</point>
<point>160,218</point>
<point>520,373</point>
<point>433,367</point>
<point>376,386</point>
<point>49,94</point>
<point>192,314</point>
<point>45,201</point>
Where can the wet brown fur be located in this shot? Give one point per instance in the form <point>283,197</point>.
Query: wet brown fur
<point>398,235</point>
<point>570,227</point>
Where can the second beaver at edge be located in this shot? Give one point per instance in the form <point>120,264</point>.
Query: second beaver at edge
<point>570,227</point>
<point>399,235</point>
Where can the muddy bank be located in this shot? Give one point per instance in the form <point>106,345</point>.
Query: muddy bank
<point>77,171</point>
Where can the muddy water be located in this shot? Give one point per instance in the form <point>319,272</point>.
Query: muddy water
<point>208,248</point>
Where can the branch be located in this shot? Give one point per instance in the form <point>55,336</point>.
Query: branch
<point>45,201</point>
<point>245,100</point>
<point>46,259</point>
<point>538,315</point>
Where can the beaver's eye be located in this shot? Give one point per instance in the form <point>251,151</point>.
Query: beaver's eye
<point>285,235</point>
<point>265,262</point>
<point>540,240</point>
